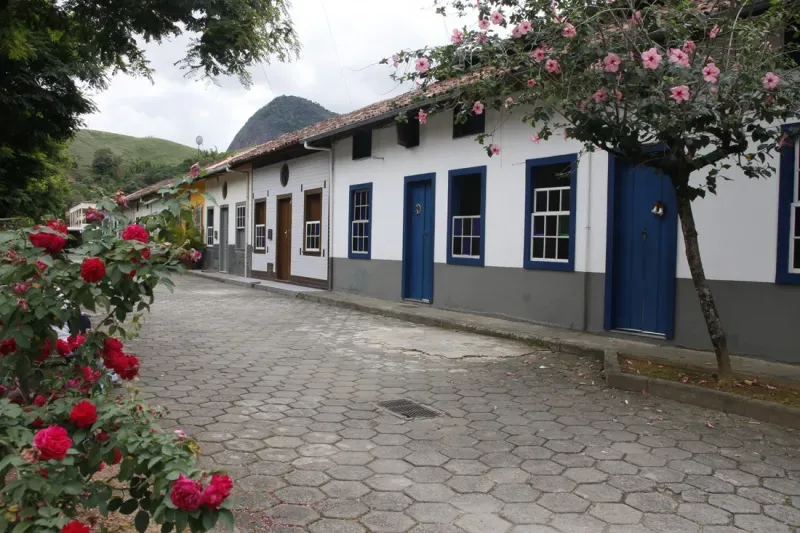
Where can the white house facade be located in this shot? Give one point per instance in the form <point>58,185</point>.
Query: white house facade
<point>546,233</point>
<point>227,221</point>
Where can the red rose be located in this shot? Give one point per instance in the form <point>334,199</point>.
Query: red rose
<point>22,303</point>
<point>41,265</point>
<point>135,232</point>
<point>102,466</point>
<point>40,400</point>
<point>53,243</point>
<point>63,348</point>
<point>21,288</point>
<point>52,443</point>
<point>132,274</point>
<point>57,225</point>
<point>76,527</point>
<point>224,482</point>
<point>117,457</point>
<point>36,424</point>
<point>146,254</point>
<point>186,493</point>
<point>45,350</point>
<point>92,270</point>
<point>84,414</point>
<point>8,346</point>
<point>111,345</point>
<point>213,497</point>
<point>76,341</point>
<point>131,367</point>
<point>89,375</point>
<point>93,215</point>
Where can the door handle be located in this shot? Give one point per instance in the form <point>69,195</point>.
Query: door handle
<point>644,234</point>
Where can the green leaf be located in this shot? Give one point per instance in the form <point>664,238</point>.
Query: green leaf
<point>227,518</point>
<point>141,521</point>
<point>166,528</point>
<point>209,520</point>
<point>181,519</point>
<point>129,506</point>
<point>114,504</point>
<point>210,198</point>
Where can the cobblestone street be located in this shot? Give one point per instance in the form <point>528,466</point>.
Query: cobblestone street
<point>282,393</point>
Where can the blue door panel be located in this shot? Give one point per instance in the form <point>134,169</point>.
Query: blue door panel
<point>418,244</point>
<point>644,248</point>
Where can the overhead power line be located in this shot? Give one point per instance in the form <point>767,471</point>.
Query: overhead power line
<point>336,51</point>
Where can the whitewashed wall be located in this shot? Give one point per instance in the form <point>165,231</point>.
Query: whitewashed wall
<point>738,228</point>
<point>309,172</point>
<point>237,192</point>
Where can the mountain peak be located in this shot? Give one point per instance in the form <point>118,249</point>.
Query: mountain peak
<point>282,114</point>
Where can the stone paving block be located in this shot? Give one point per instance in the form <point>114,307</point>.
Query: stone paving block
<point>760,524</point>
<point>704,514</point>
<point>345,509</point>
<point>430,492</point>
<point>387,522</point>
<point>599,493</point>
<point>577,523</point>
<point>525,513</point>
<point>652,502</point>
<point>483,523</point>
<point>616,513</point>
<point>433,513</point>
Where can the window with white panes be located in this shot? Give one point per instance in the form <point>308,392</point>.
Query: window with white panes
<point>360,223</point>
<point>466,211</point>
<point>312,244</point>
<point>241,221</point>
<point>260,228</point>
<point>794,214</point>
<point>210,226</point>
<point>550,225</point>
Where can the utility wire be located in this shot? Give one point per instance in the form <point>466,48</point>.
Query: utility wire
<point>336,51</point>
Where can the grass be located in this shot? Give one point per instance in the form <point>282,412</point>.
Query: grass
<point>87,142</point>
<point>749,387</point>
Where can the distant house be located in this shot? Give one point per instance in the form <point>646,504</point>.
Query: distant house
<point>76,216</point>
<point>540,232</point>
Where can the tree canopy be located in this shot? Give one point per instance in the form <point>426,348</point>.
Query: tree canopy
<point>52,52</point>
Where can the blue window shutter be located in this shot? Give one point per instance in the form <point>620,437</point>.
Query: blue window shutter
<point>786,191</point>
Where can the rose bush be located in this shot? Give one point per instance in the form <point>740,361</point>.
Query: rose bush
<point>61,418</point>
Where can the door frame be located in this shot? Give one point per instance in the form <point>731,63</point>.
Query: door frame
<point>431,177</point>
<point>278,199</point>
<point>672,250</point>
<point>223,250</point>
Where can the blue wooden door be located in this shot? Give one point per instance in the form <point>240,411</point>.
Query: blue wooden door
<point>418,245</point>
<point>644,248</point>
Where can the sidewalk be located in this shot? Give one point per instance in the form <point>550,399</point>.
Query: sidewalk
<point>553,338</point>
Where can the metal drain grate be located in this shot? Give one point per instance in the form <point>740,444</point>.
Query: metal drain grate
<point>408,409</point>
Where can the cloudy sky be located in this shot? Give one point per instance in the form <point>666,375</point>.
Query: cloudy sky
<point>364,31</point>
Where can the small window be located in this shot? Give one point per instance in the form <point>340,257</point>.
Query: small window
<point>224,190</point>
<point>210,226</point>
<point>240,225</point>
<point>360,220</point>
<point>550,217</point>
<point>284,174</point>
<point>467,123</point>
<point>788,267</point>
<point>260,228</point>
<point>362,144</point>
<point>466,216</point>
<point>312,243</point>
<point>408,132</point>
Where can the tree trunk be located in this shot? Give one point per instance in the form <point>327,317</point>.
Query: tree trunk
<point>707,304</point>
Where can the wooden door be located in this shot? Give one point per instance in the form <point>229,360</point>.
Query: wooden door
<point>283,259</point>
<point>223,239</point>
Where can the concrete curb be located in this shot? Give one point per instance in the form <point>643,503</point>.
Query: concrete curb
<point>239,282</point>
<point>702,397</point>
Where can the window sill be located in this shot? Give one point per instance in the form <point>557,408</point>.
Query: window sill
<point>312,254</point>
<point>259,252</point>
<point>367,255</point>
<point>477,261</point>
<point>547,265</point>
<point>787,278</point>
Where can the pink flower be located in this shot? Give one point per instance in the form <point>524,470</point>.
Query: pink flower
<point>636,18</point>
<point>612,62</point>
<point>525,26</point>
<point>535,139</point>
<point>569,31</point>
<point>539,54</point>
<point>552,66</point>
<point>618,94</point>
<point>422,116</point>
<point>651,59</point>
<point>711,73</point>
<point>600,96</point>
<point>497,18</point>
<point>531,83</point>
<point>516,33</point>
<point>194,170</point>
<point>457,36</point>
<point>714,32</point>
<point>477,108</point>
<point>678,56</point>
<point>680,93</point>
<point>481,38</point>
<point>483,24</point>
<point>395,60</point>
<point>186,493</point>
<point>181,434</point>
<point>423,64</point>
<point>494,149</point>
<point>689,47</point>
<point>770,80</point>
<point>509,102</point>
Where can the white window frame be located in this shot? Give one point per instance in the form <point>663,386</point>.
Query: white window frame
<point>362,236</point>
<point>241,216</point>
<point>210,236</point>
<point>544,215</point>
<point>261,237</point>
<point>794,238</point>
<point>465,236</point>
<point>310,238</point>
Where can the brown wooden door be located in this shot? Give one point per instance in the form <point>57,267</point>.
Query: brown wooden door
<point>284,251</point>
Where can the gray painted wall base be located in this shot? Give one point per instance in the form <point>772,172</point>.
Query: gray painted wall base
<point>761,319</point>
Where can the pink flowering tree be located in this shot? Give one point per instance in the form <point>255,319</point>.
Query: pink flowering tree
<point>64,418</point>
<point>690,89</point>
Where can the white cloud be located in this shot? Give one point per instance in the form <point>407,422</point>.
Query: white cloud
<point>365,31</point>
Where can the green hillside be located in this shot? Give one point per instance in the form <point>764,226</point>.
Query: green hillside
<point>158,151</point>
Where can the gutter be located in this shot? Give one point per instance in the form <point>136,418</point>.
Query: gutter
<point>330,205</point>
